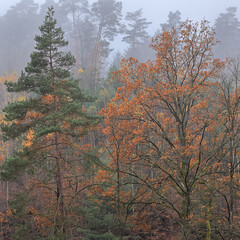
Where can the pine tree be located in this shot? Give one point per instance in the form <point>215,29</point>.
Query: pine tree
<point>107,17</point>
<point>50,118</point>
<point>77,9</point>
<point>227,27</point>
<point>174,20</point>
<point>136,34</point>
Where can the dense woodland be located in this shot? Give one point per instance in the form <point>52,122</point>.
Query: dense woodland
<point>143,146</point>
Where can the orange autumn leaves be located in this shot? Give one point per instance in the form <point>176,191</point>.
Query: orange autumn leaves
<point>29,138</point>
<point>158,124</point>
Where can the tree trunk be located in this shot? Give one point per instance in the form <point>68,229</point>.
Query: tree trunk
<point>208,223</point>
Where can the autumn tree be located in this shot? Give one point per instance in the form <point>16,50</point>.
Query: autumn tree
<point>159,123</point>
<point>47,121</point>
<point>228,168</point>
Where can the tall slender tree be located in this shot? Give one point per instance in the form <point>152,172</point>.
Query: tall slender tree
<point>49,119</point>
<point>227,27</point>
<point>107,16</point>
<point>77,9</point>
<point>136,34</point>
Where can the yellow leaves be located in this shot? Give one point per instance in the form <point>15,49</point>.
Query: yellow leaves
<point>22,98</point>
<point>80,70</point>
<point>8,77</point>
<point>92,110</point>
<point>29,138</point>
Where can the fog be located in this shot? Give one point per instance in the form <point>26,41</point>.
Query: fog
<point>17,41</point>
<point>157,10</point>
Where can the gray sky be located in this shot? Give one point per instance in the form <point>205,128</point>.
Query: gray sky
<point>157,10</point>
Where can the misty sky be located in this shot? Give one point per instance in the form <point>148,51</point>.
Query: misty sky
<point>157,11</point>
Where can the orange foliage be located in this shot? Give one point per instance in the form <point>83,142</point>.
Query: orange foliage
<point>158,122</point>
<point>29,138</point>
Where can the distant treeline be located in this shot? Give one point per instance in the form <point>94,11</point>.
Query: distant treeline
<point>90,28</point>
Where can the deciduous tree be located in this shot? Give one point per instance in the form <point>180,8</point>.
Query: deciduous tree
<point>163,116</point>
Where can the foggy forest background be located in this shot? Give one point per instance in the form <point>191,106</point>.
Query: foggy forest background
<point>81,26</point>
